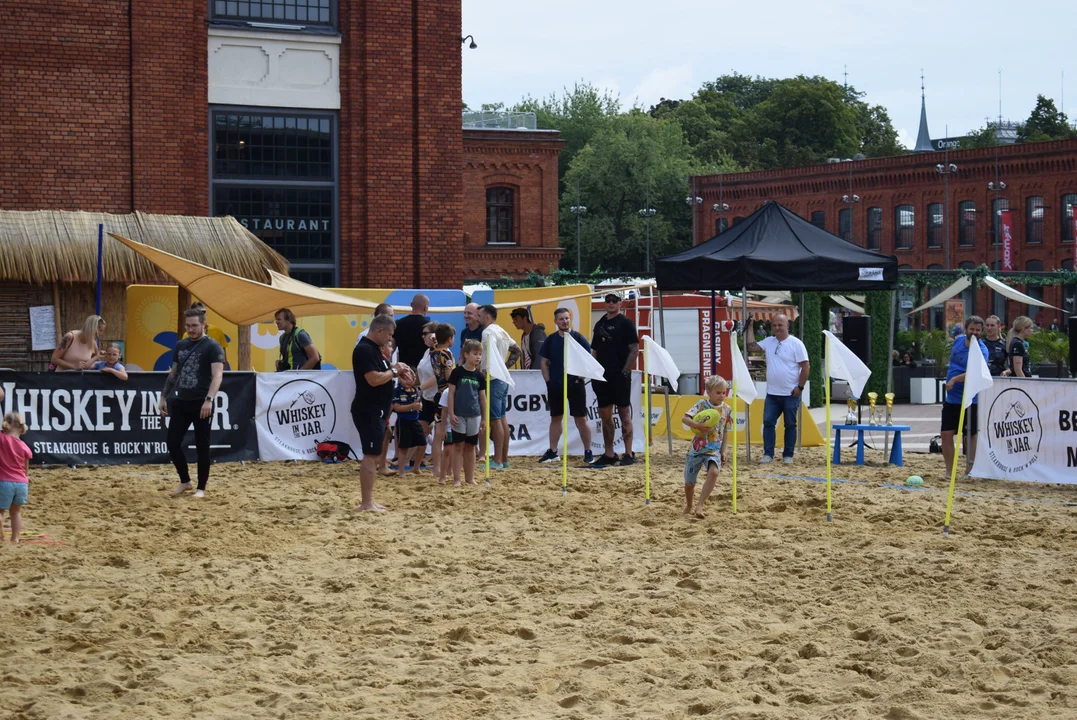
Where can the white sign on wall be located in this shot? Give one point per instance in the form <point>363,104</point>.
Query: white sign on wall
<point>43,327</point>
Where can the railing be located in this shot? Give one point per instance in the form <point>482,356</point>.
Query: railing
<point>501,120</point>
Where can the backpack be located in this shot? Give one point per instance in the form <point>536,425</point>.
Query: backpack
<point>936,444</point>
<point>334,451</point>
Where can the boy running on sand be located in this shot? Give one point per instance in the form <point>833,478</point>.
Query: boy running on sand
<point>466,409</point>
<point>14,468</point>
<point>708,446</point>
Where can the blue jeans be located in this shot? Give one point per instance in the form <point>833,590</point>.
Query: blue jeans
<point>773,408</point>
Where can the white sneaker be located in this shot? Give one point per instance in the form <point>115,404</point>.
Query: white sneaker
<point>765,460</point>
<point>180,489</point>
<point>199,493</point>
<point>787,460</point>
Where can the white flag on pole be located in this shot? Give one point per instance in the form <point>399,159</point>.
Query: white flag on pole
<point>579,362</point>
<point>657,361</point>
<point>745,385</point>
<point>495,364</point>
<point>977,375</point>
<point>842,363</point>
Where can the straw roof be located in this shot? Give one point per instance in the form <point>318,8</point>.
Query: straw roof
<point>47,246</point>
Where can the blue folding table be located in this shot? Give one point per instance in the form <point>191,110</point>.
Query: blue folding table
<point>895,450</point>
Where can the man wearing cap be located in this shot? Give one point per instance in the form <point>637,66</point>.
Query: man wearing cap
<point>615,344</point>
<point>531,340</point>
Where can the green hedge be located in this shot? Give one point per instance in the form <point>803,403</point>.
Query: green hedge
<point>877,305</point>
<point>813,341</point>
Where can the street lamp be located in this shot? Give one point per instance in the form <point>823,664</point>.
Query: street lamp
<point>997,186</point>
<point>464,38</point>
<point>647,213</point>
<point>579,211</point>
<point>946,170</point>
<point>692,201</point>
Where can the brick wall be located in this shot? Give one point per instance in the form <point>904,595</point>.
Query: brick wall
<point>527,163</point>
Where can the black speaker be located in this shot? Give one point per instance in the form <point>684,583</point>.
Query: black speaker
<point>856,334</point>
<point>1071,322</point>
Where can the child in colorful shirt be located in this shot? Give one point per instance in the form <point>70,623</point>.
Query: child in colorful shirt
<point>708,446</point>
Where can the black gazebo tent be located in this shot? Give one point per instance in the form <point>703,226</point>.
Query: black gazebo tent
<point>776,249</point>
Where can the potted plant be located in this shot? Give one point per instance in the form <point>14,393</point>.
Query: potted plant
<point>1049,347</point>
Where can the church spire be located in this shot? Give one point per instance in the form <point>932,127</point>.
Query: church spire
<point>923,137</point>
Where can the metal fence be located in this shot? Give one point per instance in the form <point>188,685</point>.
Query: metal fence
<point>501,120</point>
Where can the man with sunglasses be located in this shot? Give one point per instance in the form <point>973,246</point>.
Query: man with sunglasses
<point>615,345</point>
<point>787,373</point>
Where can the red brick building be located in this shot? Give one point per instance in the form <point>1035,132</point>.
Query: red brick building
<point>330,129</point>
<point>902,210</point>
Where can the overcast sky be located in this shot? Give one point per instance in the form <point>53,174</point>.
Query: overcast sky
<point>646,50</point>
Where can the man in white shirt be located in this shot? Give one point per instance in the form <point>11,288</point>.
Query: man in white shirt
<point>498,340</point>
<point>787,373</point>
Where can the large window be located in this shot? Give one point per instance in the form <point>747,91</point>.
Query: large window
<point>997,206</point>
<point>294,14</point>
<point>1068,203</point>
<point>904,227</point>
<point>275,173</point>
<point>934,225</point>
<point>737,219</point>
<point>500,212</point>
<point>875,228</point>
<point>720,225</point>
<point>818,219</point>
<point>1034,220</point>
<point>966,213</point>
<point>845,223</point>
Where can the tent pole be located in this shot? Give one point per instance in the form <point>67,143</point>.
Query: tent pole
<point>747,406</point>
<point>714,340</point>
<point>890,363</point>
<point>662,332</point>
<point>800,408</point>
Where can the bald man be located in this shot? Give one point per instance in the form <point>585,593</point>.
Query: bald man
<point>473,328</point>
<point>787,373</point>
<point>409,332</point>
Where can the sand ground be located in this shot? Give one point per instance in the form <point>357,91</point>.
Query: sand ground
<point>274,598</point>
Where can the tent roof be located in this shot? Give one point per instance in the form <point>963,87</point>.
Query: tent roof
<point>776,249</point>
<point>46,246</point>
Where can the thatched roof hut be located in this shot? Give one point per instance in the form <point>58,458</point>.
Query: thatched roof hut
<point>49,257</point>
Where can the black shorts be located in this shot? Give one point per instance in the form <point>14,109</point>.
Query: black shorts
<point>409,434</point>
<point>371,426</point>
<point>452,438</point>
<point>431,412</point>
<point>577,399</point>
<point>617,390</point>
<point>951,413</point>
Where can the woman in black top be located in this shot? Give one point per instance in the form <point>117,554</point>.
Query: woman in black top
<point>1017,347</point>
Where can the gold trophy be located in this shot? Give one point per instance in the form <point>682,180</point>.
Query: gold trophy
<point>889,408</point>
<point>850,417</point>
<point>872,397</point>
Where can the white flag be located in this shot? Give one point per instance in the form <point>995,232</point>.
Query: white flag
<point>977,376</point>
<point>842,363</point>
<point>746,390</point>
<point>495,364</point>
<point>579,362</point>
<point>657,361</point>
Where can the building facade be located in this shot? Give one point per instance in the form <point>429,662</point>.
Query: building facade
<point>904,206</point>
<point>330,129</point>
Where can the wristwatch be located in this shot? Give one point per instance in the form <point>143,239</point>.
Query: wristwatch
<point>800,387</point>
<point>396,373</point>
<point>209,398</point>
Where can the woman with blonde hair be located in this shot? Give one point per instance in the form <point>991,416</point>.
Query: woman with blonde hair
<point>79,349</point>
<point>1017,347</point>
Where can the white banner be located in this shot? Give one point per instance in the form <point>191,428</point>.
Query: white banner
<point>296,410</point>
<point>1028,431</point>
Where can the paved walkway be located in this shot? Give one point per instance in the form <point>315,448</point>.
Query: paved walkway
<point>923,419</point>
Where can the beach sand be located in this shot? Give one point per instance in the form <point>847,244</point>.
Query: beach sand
<point>275,598</point>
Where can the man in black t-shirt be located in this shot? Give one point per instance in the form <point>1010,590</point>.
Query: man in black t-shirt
<point>409,332</point>
<point>188,397</point>
<point>373,398</point>
<point>615,345</point>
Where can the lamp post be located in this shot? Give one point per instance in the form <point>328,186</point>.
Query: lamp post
<point>719,208</point>
<point>850,199</point>
<point>692,201</point>
<point>946,170</point>
<point>997,186</point>
<point>579,211</point>
<point>647,213</point>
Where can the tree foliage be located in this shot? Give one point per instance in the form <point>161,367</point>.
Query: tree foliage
<point>1045,122</point>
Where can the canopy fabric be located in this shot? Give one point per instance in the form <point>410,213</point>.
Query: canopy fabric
<point>847,303</point>
<point>776,249</point>
<point>760,310</point>
<point>954,289</point>
<point>961,284</point>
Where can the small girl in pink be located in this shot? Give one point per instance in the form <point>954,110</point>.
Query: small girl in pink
<point>14,466</point>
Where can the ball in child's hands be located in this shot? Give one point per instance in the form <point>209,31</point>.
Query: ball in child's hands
<point>709,417</point>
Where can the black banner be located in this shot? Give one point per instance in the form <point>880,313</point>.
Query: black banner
<point>93,418</point>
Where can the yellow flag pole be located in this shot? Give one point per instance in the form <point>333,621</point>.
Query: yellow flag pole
<point>646,433</point>
<point>564,416</point>
<point>734,445</point>
<point>957,458</point>
<point>487,426</point>
<point>829,451</point>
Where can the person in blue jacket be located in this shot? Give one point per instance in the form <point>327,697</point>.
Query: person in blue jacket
<point>955,387</point>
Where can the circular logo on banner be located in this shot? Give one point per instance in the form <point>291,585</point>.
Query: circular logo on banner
<point>301,413</point>
<point>1014,431</point>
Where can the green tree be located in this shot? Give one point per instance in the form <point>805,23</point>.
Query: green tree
<point>1045,123</point>
<point>804,121</point>
<point>984,137</point>
<point>633,160</point>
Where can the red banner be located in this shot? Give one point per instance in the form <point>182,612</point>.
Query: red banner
<point>1007,239</point>
<point>714,346</point>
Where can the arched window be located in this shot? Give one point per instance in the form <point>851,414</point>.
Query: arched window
<point>500,212</point>
<point>967,266</point>
<point>875,228</point>
<point>720,225</point>
<point>904,226</point>
<point>966,213</point>
<point>997,206</point>
<point>737,219</point>
<point>845,224</point>
<point>1034,220</point>
<point>934,225</point>
<point>1068,203</point>
<point>818,219</point>
<point>1034,265</point>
